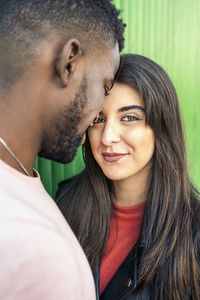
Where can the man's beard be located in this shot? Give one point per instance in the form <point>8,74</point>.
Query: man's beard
<point>61,142</point>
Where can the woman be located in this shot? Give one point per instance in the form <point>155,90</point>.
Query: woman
<point>133,208</point>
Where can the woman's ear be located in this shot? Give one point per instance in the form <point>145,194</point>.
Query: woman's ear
<point>67,60</point>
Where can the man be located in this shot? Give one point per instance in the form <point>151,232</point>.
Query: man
<point>57,59</point>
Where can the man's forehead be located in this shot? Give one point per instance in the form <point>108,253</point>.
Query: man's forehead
<point>111,58</point>
<point>112,54</point>
<point>116,56</point>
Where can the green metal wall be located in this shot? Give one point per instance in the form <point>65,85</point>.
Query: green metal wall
<point>167,31</point>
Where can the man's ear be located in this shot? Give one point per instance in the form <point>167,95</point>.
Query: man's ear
<point>65,65</point>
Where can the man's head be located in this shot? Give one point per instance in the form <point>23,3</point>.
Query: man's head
<point>57,57</point>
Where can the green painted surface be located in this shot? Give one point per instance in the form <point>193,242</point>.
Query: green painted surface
<point>167,31</point>
<point>52,173</point>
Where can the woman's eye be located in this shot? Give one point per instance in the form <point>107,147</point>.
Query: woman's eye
<point>130,118</point>
<point>98,120</point>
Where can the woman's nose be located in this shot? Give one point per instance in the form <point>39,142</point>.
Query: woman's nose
<point>110,134</point>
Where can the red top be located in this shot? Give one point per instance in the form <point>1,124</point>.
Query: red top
<point>124,232</point>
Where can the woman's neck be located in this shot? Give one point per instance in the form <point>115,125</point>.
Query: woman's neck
<point>130,191</point>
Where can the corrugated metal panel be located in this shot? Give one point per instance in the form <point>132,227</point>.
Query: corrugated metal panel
<point>167,31</point>
<point>52,173</point>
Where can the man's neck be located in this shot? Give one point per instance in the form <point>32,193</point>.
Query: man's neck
<point>9,157</point>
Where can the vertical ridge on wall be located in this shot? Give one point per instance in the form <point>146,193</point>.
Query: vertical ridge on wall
<point>168,32</point>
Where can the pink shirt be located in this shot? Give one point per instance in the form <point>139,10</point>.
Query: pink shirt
<point>40,257</point>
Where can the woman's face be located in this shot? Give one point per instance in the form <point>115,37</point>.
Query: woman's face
<point>121,142</point>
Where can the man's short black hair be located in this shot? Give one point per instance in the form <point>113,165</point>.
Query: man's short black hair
<point>26,23</point>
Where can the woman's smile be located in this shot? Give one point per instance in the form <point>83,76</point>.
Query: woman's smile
<point>113,157</point>
<point>122,142</point>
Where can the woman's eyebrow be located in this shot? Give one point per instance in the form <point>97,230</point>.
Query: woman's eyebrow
<point>124,108</point>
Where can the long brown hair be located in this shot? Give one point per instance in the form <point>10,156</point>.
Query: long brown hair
<point>171,246</point>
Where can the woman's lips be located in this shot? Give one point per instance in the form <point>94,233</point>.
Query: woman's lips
<point>112,157</point>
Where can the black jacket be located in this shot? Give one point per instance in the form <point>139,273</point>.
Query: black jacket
<point>123,284</point>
